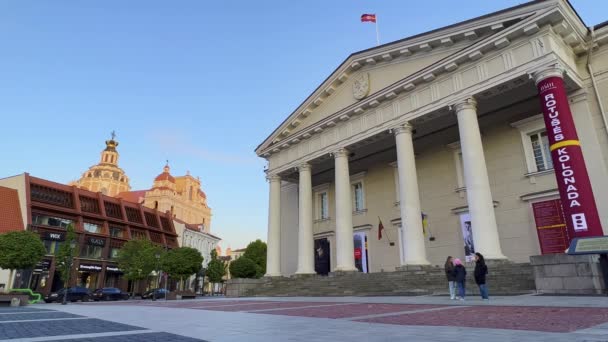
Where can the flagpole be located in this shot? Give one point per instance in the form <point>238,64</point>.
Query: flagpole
<point>377,32</point>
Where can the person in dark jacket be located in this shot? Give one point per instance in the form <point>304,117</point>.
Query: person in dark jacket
<point>460,274</point>
<point>481,270</point>
<point>449,273</point>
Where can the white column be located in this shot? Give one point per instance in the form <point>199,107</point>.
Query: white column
<point>412,237</point>
<point>479,196</point>
<point>273,259</point>
<point>345,247</point>
<point>306,257</point>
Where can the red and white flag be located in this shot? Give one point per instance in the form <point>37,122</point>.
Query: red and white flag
<point>368,18</point>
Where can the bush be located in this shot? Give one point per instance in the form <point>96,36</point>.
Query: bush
<point>243,267</point>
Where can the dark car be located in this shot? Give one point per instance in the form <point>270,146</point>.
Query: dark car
<point>156,293</point>
<point>74,294</point>
<point>110,293</point>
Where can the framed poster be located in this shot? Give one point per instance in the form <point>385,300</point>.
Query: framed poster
<point>551,228</point>
<point>467,236</point>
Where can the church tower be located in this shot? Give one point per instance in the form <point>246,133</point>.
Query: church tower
<point>105,177</point>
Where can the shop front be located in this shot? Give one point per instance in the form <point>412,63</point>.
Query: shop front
<point>89,275</point>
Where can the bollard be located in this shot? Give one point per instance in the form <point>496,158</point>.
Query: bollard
<point>15,302</point>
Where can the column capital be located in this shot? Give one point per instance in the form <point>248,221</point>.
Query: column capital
<point>405,128</point>
<point>341,152</point>
<point>304,167</point>
<point>273,178</point>
<point>466,103</point>
<point>555,70</point>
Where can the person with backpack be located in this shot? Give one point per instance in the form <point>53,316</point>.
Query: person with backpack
<point>449,273</point>
<point>481,270</point>
<point>460,273</point>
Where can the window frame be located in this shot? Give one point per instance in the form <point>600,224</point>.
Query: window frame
<point>319,191</point>
<point>355,179</point>
<point>528,127</point>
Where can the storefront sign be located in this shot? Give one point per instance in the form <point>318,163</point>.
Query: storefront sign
<point>113,269</point>
<point>89,268</point>
<point>42,266</point>
<point>551,226</point>
<point>575,190</point>
<point>54,236</point>
<point>96,241</point>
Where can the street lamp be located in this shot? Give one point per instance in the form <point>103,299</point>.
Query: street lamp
<point>70,260</point>
<point>157,256</point>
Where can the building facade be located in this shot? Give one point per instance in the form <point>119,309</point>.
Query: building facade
<point>102,225</point>
<point>442,140</point>
<point>195,236</point>
<point>105,177</point>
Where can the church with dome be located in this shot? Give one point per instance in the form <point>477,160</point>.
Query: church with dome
<point>180,195</point>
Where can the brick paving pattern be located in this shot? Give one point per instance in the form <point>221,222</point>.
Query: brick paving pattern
<point>147,337</point>
<point>32,316</point>
<point>547,319</point>
<point>13,330</point>
<point>349,310</point>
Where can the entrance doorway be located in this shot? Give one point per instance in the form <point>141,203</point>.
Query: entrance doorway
<point>361,255</point>
<point>322,256</point>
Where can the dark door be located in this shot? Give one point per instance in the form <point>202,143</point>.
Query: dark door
<point>322,257</point>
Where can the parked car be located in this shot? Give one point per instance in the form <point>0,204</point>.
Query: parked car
<point>109,293</point>
<point>74,294</point>
<point>157,293</point>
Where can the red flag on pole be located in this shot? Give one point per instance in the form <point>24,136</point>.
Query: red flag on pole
<point>380,229</point>
<point>368,18</point>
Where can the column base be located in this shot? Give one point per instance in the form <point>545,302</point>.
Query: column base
<point>273,275</point>
<point>303,275</point>
<point>345,269</point>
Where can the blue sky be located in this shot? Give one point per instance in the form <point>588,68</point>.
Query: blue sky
<point>200,83</point>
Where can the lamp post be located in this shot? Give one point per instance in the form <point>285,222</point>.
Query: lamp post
<point>157,256</point>
<point>70,261</point>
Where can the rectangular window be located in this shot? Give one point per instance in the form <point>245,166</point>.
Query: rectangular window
<point>540,149</point>
<point>116,232</point>
<point>359,204</point>
<point>51,221</point>
<point>92,228</point>
<point>91,252</point>
<point>114,252</point>
<point>324,206</point>
<point>51,246</point>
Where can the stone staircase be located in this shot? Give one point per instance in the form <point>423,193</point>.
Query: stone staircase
<point>504,278</point>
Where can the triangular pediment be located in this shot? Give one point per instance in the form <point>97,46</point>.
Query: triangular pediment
<point>390,63</point>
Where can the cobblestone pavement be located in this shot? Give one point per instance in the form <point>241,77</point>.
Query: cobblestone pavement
<point>33,323</point>
<point>423,318</point>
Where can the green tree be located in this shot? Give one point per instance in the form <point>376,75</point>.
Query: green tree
<point>256,251</point>
<point>20,250</point>
<point>181,263</point>
<point>137,259</point>
<point>216,269</point>
<point>64,257</point>
<point>243,267</point>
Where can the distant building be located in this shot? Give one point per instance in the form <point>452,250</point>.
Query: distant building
<point>105,177</point>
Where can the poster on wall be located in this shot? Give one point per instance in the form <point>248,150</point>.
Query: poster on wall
<point>467,235</point>
<point>551,228</point>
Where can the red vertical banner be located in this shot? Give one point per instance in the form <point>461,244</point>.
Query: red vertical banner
<point>573,182</point>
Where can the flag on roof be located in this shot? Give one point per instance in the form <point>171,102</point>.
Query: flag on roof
<point>368,18</point>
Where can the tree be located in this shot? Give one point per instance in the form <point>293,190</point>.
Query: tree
<point>20,250</point>
<point>181,263</point>
<point>256,252</point>
<point>64,257</point>
<point>137,259</point>
<point>216,269</point>
<point>243,267</point>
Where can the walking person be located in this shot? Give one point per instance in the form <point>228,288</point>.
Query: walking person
<point>449,273</point>
<point>460,273</point>
<point>481,270</point>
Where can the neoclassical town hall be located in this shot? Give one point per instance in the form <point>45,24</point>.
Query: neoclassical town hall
<point>443,138</point>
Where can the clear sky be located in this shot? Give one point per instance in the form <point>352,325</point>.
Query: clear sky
<point>200,83</point>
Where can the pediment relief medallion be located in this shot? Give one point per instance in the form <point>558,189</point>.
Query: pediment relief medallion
<point>361,86</point>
